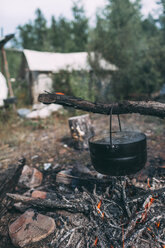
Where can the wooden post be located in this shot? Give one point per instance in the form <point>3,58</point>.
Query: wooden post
<point>2,63</point>
<point>81,130</point>
<point>7,72</point>
<point>8,75</point>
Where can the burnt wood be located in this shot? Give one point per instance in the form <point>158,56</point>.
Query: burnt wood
<point>8,181</point>
<point>124,107</point>
<point>74,207</point>
<point>9,178</point>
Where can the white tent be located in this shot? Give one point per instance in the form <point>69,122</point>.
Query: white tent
<point>38,67</point>
<point>3,89</point>
<point>54,62</point>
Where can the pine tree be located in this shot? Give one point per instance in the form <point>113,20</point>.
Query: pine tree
<point>150,79</point>
<point>117,38</point>
<point>65,33</point>
<point>54,35</point>
<point>26,38</point>
<point>34,35</point>
<point>162,39</point>
<point>40,31</point>
<point>79,28</point>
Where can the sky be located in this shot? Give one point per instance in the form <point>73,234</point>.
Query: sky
<point>19,12</point>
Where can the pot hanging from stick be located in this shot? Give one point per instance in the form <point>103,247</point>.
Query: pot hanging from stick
<point>118,153</point>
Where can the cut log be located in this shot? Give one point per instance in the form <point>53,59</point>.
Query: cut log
<point>64,177</point>
<point>81,130</point>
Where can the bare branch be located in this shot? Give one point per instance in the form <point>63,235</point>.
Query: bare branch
<point>142,107</point>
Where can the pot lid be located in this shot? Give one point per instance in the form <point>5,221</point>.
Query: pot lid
<point>123,137</point>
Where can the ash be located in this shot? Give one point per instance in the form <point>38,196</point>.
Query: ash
<point>113,213</point>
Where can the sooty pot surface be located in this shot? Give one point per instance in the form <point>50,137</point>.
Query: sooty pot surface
<point>126,153</point>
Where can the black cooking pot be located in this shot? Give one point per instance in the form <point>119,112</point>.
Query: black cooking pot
<point>118,153</point>
<point>126,156</point>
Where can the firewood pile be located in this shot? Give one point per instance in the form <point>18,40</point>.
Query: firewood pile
<point>84,210</point>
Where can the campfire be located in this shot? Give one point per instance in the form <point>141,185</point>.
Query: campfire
<point>92,212</point>
<point>83,208</point>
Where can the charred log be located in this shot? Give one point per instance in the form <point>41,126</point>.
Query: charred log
<point>50,204</point>
<point>8,181</point>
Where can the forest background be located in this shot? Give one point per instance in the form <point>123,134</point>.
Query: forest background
<point>121,35</point>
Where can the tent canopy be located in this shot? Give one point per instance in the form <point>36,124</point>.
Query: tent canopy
<point>54,62</point>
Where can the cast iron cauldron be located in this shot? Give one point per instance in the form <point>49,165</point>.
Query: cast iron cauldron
<point>118,153</point>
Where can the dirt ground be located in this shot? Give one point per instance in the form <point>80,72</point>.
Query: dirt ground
<point>49,141</point>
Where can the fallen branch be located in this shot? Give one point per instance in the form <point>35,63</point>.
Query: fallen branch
<point>142,107</point>
<point>76,207</point>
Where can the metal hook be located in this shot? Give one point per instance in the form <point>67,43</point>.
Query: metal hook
<point>111,111</point>
<point>111,125</point>
<point>119,122</point>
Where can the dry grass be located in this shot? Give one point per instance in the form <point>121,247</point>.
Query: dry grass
<point>43,138</point>
<point>20,137</point>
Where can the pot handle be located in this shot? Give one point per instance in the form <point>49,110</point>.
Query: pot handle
<point>111,111</point>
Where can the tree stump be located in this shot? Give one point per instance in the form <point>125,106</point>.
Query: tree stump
<point>81,130</point>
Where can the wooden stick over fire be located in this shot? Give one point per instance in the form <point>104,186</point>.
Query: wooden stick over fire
<point>123,107</point>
